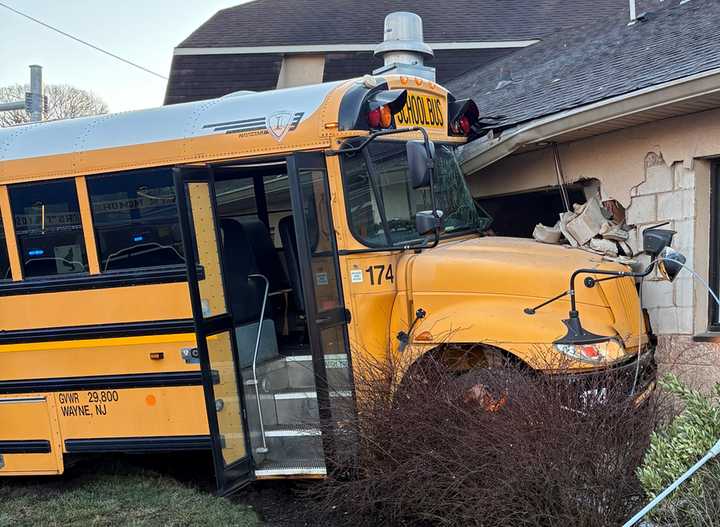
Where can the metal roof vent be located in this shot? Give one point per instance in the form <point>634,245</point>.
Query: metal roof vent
<point>403,49</point>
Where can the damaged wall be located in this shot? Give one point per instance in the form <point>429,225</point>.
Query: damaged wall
<point>659,171</point>
<point>667,194</point>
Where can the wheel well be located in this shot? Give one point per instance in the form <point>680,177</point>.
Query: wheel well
<point>461,357</point>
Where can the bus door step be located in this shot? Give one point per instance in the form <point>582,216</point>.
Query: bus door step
<point>306,467</point>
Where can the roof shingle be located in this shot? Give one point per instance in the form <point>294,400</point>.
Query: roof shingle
<point>195,77</point>
<point>312,22</point>
<point>597,61</point>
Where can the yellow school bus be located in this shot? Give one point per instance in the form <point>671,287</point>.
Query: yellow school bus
<point>205,275</point>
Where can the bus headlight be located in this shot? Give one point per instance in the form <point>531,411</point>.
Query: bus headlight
<point>596,353</point>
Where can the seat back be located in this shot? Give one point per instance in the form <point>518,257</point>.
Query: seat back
<point>286,227</point>
<point>266,256</point>
<point>246,294</point>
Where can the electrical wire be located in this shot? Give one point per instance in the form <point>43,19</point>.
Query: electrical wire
<point>81,41</point>
<point>641,323</point>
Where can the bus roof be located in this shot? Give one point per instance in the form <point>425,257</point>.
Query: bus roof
<point>241,112</point>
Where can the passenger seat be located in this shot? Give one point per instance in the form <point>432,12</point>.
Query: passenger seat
<point>267,260</point>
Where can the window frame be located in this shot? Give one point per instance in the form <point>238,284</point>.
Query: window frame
<point>373,190</point>
<point>86,280</point>
<point>58,276</point>
<point>349,219</point>
<point>8,277</point>
<point>714,272</point>
<point>135,271</point>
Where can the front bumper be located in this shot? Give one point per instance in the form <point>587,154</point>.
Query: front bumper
<point>620,377</point>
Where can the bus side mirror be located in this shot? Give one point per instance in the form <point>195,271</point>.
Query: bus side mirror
<point>655,240</point>
<point>427,221</point>
<point>419,163</point>
<point>670,263</point>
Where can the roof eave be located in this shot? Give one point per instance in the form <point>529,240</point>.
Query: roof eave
<point>480,153</point>
<point>349,47</point>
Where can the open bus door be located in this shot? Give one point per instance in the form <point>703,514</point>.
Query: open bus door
<point>214,329</point>
<point>322,287</point>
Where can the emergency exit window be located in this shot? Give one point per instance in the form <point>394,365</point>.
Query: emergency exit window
<point>48,228</point>
<point>4,258</point>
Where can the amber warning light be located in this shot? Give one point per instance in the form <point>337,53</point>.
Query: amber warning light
<point>380,117</point>
<point>382,105</point>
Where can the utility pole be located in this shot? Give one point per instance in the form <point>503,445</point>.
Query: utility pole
<point>34,102</point>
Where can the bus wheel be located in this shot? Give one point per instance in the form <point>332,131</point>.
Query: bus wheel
<point>488,382</point>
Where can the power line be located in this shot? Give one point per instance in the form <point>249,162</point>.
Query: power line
<point>81,41</point>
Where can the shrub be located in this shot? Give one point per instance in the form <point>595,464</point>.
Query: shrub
<point>675,448</point>
<point>493,447</point>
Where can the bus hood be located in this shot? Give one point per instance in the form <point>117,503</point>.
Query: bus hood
<point>505,266</point>
<point>526,273</point>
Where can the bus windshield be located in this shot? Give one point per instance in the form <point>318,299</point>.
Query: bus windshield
<point>382,203</point>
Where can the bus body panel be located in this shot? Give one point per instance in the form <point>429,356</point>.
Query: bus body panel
<point>131,413</point>
<point>151,354</point>
<point>95,307</point>
<point>30,441</point>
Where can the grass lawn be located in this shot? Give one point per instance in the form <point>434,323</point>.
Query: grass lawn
<point>115,494</point>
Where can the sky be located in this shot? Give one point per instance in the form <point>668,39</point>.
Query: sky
<point>142,31</point>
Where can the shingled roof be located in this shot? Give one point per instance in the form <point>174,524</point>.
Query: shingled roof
<point>591,63</point>
<point>311,22</point>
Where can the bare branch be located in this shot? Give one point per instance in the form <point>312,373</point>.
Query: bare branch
<point>64,102</point>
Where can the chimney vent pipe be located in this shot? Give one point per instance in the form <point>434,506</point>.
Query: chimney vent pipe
<point>403,49</point>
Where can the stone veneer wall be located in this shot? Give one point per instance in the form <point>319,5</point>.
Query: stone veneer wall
<point>669,194</point>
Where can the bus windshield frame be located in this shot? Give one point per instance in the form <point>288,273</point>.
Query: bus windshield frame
<point>381,203</point>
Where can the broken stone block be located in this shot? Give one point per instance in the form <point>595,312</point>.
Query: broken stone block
<point>545,234</point>
<point>626,249</point>
<point>614,232</point>
<point>586,224</point>
<point>604,246</point>
<point>565,218</point>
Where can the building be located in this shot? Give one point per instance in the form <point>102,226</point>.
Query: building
<point>631,110</point>
<point>266,44</point>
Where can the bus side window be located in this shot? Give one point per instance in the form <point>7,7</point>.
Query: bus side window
<point>48,228</point>
<point>135,219</point>
<point>4,257</point>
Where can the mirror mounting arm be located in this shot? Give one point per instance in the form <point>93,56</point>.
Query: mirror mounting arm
<point>589,282</point>
<point>433,199</point>
<point>576,334</point>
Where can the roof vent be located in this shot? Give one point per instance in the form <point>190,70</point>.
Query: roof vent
<point>634,16</point>
<point>403,49</point>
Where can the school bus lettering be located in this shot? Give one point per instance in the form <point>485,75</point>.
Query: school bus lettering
<point>73,405</point>
<point>380,272</point>
<point>421,110</point>
<point>76,410</point>
<point>104,396</point>
<point>68,398</point>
